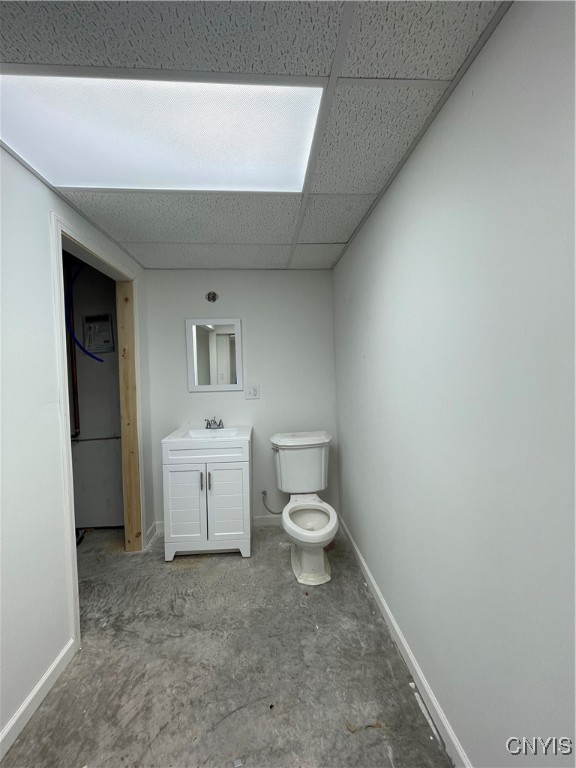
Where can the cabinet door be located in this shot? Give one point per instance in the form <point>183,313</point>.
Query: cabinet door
<point>228,501</point>
<point>185,502</point>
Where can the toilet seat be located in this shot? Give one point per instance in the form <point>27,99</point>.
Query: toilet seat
<point>309,501</point>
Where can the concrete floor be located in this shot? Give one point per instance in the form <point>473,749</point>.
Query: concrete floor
<point>213,659</point>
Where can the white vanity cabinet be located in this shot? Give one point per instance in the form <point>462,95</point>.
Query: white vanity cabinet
<point>206,491</point>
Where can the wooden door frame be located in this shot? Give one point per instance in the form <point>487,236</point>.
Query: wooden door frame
<point>125,312</point>
<point>126,323</point>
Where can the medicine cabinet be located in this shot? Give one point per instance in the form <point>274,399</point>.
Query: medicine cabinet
<point>214,354</point>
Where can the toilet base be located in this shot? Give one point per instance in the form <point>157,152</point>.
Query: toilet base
<point>310,565</point>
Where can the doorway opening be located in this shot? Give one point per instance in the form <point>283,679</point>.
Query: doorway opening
<point>93,395</point>
<point>100,360</point>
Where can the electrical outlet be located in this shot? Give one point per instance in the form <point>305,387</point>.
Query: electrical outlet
<point>252,392</point>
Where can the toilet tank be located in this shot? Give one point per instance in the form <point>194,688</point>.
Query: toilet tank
<point>301,461</point>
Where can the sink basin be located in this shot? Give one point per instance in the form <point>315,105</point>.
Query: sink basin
<point>209,434</point>
<point>227,433</point>
<point>187,446</point>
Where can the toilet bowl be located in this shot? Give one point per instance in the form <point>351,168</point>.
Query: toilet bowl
<point>311,524</point>
<point>302,470</point>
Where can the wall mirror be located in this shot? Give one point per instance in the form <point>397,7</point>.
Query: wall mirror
<point>214,352</point>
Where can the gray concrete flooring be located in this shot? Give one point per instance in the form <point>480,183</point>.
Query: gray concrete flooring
<point>212,659</point>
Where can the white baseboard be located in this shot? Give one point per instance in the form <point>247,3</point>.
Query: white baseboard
<point>150,533</point>
<point>14,726</point>
<point>156,527</point>
<point>451,741</point>
<point>262,521</point>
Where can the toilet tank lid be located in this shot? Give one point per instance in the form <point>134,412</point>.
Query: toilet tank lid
<point>300,439</point>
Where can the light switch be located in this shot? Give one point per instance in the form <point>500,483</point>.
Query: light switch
<point>252,392</point>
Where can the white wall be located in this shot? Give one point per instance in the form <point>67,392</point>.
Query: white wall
<point>38,578</point>
<point>288,348</point>
<point>460,495</point>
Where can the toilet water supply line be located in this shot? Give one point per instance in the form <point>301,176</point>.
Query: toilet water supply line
<point>272,511</point>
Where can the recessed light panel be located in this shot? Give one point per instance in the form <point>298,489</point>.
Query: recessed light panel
<point>148,134</point>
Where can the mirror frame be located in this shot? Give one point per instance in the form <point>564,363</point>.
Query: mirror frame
<point>191,357</point>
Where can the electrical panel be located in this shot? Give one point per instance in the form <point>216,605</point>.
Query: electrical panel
<point>98,333</point>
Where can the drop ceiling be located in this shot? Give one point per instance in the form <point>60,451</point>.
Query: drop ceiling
<point>385,66</point>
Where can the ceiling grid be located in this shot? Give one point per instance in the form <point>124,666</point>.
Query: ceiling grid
<point>386,67</point>
<point>323,117</point>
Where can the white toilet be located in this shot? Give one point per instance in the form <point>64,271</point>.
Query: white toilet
<point>302,469</point>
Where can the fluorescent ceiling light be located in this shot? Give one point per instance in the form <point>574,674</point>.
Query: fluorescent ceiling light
<point>149,134</point>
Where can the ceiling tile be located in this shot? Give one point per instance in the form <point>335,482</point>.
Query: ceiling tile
<point>333,218</point>
<point>190,256</point>
<point>297,38</point>
<point>414,39</point>
<point>369,130</point>
<point>317,256</point>
<point>190,217</point>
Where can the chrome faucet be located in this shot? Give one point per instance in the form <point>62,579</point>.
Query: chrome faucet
<point>213,424</point>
